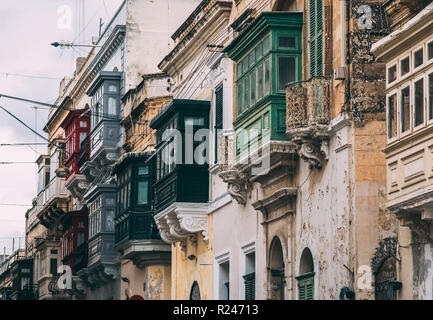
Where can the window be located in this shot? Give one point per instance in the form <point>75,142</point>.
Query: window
<point>53,266</point>
<point>142,192</point>
<point>219,107</point>
<point>306,287</point>
<point>112,106</point>
<point>404,66</point>
<point>392,74</point>
<point>392,116</point>
<point>430,51</point>
<point>418,58</point>
<point>224,281</point>
<point>80,238</point>
<point>286,71</point>
<point>287,42</point>
<point>419,103</point>
<point>250,276</point>
<point>430,95</point>
<point>405,109</point>
<point>267,77</point>
<point>316,37</point>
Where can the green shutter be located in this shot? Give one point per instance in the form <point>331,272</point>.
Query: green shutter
<point>306,286</point>
<point>218,116</point>
<point>316,37</point>
<point>250,286</point>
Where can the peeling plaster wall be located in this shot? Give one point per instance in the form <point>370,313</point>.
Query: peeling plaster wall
<point>422,255</point>
<point>149,26</point>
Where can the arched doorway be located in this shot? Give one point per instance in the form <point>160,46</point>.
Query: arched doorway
<point>306,276</point>
<point>195,292</point>
<point>276,269</point>
<point>384,267</point>
<point>386,280</point>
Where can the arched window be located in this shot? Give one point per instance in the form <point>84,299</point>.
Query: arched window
<point>306,276</point>
<point>315,25</point>
<point>195,292</point>
<point>276,266</point>
<point>386,281</point>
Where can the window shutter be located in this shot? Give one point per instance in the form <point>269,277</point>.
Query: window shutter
<point>250,286</point>
<point>316,37</point>
<point>306,287</point>
<point>218,116</point>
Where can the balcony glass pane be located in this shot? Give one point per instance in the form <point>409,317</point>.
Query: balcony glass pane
<point>430,94</point>
<point>419,102</point>
<point>287,42</point>
<point>112,106</point>
<point>142,192</point>
<point>267,77</point>
<point>392,116</point>
<point>286,71</point>
<point>405,109</point>
<point>404,66</point>
<point>418,58</point>
<point>430,51</point>
<point>260,82</point>
<point>253,87</point>
<point>392,74</point>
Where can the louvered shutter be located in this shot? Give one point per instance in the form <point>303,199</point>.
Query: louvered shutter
<point>306,287</point>
<point>316,37</point>
<point>218,116</point>
<point>250,286</point>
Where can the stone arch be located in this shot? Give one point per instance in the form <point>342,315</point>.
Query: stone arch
<point>386,248</point>
<point>276,269</point>
<point>306,264</point>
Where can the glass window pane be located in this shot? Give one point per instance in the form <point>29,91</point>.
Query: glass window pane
<point>286,71</point>
<point>143,171</point>
<point>404,66</point>
<point>253,87</point>
<point>405,109</point>
<point>392,116</point>
<point>239,102</point>
<point>252,58</point>
<point>260,82</point>
<point>418,58</point>
<point>430,94</point>
<point>142,192</point>
<point>267,77</point>
<point>112,88</point>
<point>419,102</point>
<point>194,121</point>
<point>287,42</point>
<point>246,94</point>
<point>266,45</point>
<point>392,74</point>
<point>259,51</point>
<point>430,51</point>
<point>112,106</point>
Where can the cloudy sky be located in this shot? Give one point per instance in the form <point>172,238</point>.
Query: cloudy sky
<point>32,69</point>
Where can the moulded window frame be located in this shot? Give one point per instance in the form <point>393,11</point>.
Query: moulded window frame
<point>246,248</point>
<point>276,67</point>
<point>407,84</point>
<point>219,259</point>
<point>423,124</point>
<point>396,65</point>
<point>416,49</point>
<point>427,74</point>
<point>395,92</point>
<point>401,76</point>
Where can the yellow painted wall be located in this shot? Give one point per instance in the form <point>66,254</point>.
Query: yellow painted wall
<point>186,271</point>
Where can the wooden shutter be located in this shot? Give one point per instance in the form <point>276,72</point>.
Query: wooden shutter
<point>250,286</point>
<point>316,37</point>
<point>218,116</point>
<point>306,287</point>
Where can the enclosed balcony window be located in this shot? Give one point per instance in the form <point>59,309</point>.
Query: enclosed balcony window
<point>405,109</point>
<point>181,159</point>
<point>418,58</point>
<point>404,66</point>
<point>430,96</point>
<point>272,45</point>
<point>419,103</point>
<point>77,129</point>
<point>392,116</point>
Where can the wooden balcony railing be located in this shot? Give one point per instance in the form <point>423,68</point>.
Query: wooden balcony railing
<point>308,103</point>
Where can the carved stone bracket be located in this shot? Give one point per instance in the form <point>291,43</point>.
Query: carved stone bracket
<point>313,144</point>
<point>77,185</point>
<point>181,221</point>
<point>238,184</point>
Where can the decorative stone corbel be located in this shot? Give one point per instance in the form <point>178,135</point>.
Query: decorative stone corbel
<point>314,151</point>
<point>238,185</point>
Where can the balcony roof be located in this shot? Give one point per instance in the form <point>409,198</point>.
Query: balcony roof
<point>72,115</point>
<point>175,106</point>
<point>129,157</point>
<point>103,76</point>
<point>263,23</point>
